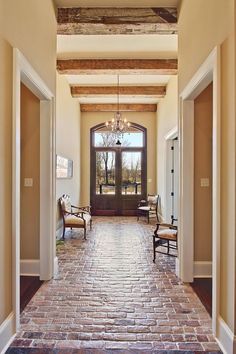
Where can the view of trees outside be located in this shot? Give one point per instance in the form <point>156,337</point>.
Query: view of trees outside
<point>105,172</point>
<point>105,166</point>
<point>132,138</point>
<point>131,173</point>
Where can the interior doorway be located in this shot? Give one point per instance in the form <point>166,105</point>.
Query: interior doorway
<point>209,72</point>
<point>29,195</point>
<point>46,265</point>
<point>203,113</point>
<point>118,171</point>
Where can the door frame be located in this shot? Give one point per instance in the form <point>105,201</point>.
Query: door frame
<point>172,134</point>
<point>208,72</point>
<point>24,73</point>
<point>143,151</point>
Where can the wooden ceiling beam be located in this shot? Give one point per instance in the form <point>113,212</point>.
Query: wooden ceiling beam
<point>78,91</point>
<point>118,66</point>
<point>112,20</point>
<point>122,107</point>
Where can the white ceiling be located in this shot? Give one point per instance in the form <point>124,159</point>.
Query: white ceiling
<point>116,3</point>
<point>111,80</point>
<point>117,47</point>
<point>122,99</point>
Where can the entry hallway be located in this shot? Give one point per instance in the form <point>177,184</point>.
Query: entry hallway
<point>109,295</point>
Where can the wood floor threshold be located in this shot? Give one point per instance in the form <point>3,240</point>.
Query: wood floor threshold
<point>203,289</point>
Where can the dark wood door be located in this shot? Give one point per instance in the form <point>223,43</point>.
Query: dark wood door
<point>118,179</point>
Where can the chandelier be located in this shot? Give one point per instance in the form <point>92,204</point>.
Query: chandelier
<point>118,125</point>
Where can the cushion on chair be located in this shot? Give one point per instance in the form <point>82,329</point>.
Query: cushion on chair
<point>145,208</point>
<point>74,220</point>
<point>167,234</point>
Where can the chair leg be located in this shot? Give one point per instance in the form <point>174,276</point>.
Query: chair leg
<point>85,233</point>
<point>90,224</point>
<point>63,235</point>
<point>168,247</point>
<point>154,250</point>
<point>148,218</point>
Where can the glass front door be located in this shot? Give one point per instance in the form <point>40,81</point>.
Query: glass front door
<point>118,173</point>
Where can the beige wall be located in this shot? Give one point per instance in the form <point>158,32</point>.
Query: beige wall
<point>203,169</point>
<point>30,26</point>
<point>21,27</point>
<point>167,119</point>
<point>30,168</point>
<point>5,178</point>
<point>89,120</point>
<point>199,32</point>
<point>68,140</point>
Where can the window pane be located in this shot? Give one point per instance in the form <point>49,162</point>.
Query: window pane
<point>133,138</point>
<point>131,173</point>
<point>105,172</point>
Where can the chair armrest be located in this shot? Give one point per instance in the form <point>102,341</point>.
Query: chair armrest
<point>79,214</point>
<point>165,225</point>
<point>83,208</point>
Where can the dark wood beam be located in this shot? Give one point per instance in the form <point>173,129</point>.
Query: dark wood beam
<point>78,91</point>
<point>118,66</point>
<point>113,20</point>
<point>122,107</point>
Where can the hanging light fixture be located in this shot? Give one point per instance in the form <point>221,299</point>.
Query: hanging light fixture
<point>118,125</point>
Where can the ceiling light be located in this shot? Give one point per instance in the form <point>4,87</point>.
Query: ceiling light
<point>118,126</point>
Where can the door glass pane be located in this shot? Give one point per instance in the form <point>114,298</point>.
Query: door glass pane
<point>131,173</point>
<point>105,172</point>
<point>132,138</point>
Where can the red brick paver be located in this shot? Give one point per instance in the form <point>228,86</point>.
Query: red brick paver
<point>110,295</point>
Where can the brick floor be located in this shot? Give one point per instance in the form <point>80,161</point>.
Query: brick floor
<point>110,296</point>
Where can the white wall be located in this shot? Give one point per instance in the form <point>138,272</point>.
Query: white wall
<point>68,140</point>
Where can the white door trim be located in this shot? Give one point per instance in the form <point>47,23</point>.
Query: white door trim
<point>207,73</point>
<point>171,134</point>
<point>24,72</point>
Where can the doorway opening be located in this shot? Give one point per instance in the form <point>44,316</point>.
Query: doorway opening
<point>209,72</point>
<point>29,195</point>
<point>118,172</point>
<point>203,196</point>
<point>46,264</point>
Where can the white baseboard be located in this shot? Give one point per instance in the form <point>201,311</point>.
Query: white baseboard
<point>30,267</point>
<point>226,338</point>
<point>55,270</point>
<point>177,265</point>
<point>202,269</point>
<point>59,233</point>
<point>7,333</point>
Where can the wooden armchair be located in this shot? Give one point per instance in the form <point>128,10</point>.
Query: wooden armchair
<point>74,216</point>
<point>165,235</point>
<point>148,208</point>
